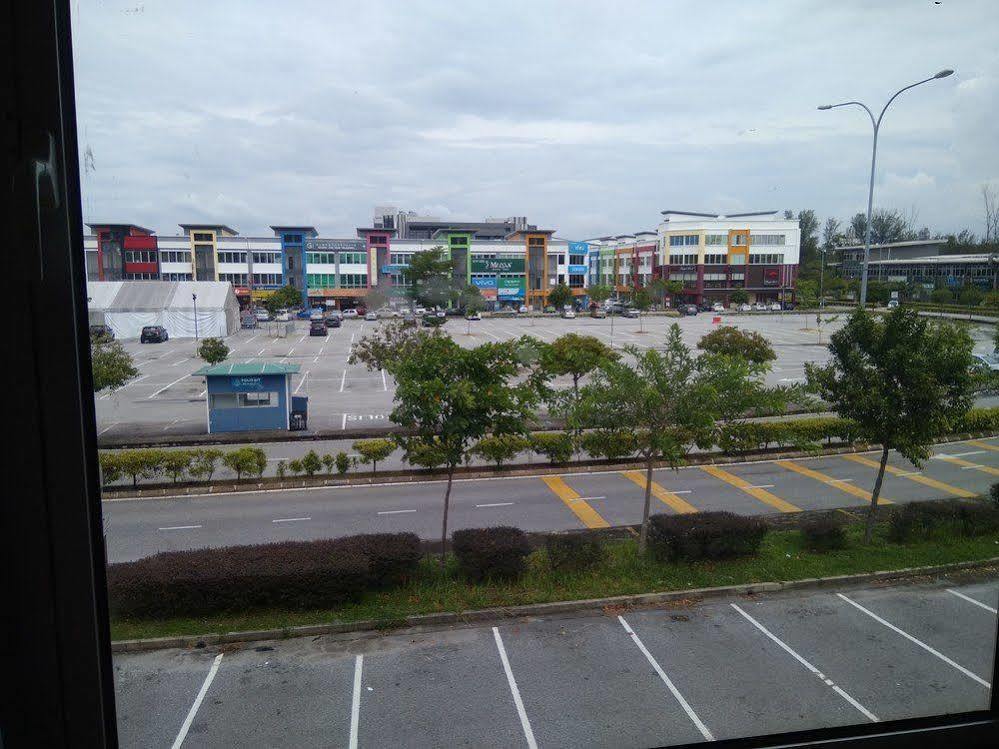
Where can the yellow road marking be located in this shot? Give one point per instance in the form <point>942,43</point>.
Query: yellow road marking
<point>925,480</point>
<point>830,481</point>
<point>968,464</point>
<point>761,494</point>
<point>590,517</point>
<point>661,493</point>
<point>986,445</point>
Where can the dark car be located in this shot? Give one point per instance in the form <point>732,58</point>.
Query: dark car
<point>688,310</point>
<point>317,327</point>
<point>707,306</point>
<point>101,333</point>
<point>333,321</point>
<point>432,321</point>
<point>153,334</point>
<point>631,312</point>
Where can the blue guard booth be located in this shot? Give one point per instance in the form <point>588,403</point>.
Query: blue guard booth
<point>252,397</point>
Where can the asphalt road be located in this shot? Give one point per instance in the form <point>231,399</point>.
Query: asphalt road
<point>136,528</point>
<point>164,399</point>
<point>719,669</point>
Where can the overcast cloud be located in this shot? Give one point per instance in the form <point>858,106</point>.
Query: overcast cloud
<point>589,118</point>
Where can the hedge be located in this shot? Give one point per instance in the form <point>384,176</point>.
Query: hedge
<point>918,521</point>
<point>195,463</point>
<point>823,534</point>
<point>573,551</point>
<point>705,535</point>
<point>491,553</point>
<point>291,575</point>
<point>558,447</point>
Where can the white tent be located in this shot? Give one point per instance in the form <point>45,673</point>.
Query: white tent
<point>128,306</point>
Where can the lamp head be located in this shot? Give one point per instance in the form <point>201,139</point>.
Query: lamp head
<point>826,106</point>
<point>944,73</point>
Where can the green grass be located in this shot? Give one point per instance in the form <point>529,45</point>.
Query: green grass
<point>782,557</point>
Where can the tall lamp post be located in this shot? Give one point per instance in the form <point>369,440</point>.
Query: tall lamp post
<point>874,155</point>
<point>194,298</point>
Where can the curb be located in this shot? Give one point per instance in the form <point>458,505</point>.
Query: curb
<point>371,627</point>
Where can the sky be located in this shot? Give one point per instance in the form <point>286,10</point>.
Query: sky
<point>587,117</point>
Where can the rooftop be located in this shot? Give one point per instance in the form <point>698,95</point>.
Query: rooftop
<point>95,225</point>
<point>892,245</point>
<point>982,257</point>
<point>195,227</point>
<point>246,370</point>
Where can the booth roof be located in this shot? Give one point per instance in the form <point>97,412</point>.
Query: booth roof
<point>245,370</point>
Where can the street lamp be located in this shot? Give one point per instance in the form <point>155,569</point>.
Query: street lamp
<point>194,298</point>
<point>874,154</point>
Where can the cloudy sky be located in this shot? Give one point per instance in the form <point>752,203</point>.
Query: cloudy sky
<point>586,117</point>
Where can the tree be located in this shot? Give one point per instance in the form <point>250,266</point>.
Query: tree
<point>574,355</point>
<point>904,380</point>
<point>111,364</point>
<point>448,397</point>
<point>808,225</point>
<point>342,462</point>
<point>599,293</point>
<point>250,460</point>
<point>140,463</point>
<point>830,233</point>
<point>739,296</point>
<point>499,450</point>
<point>372,451</point>
<point>388,343</point>
<point>970,296</point>
<point>311,463</point>
<point>429,277</point>
<point>471,301</point>
<point>659,287</point>
<point>286,296</point>
<point>642,300</point>
<point>730,341</point>
<point>213,350</point>
<point>663,400</point>
<point>942,296</point>
<point>560,296</point>
<point>204,462</point>
<point>887,225</point>
<point>329,463</point>
<point>176,463</point>
<point>376,298</point>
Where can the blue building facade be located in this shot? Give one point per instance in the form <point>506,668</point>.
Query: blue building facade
<point>248,397</point>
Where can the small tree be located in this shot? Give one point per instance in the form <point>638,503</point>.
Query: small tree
<point>730,341</point>
<point>111,364</point>
<point>663,399</point>
<point>342,462</point>
<point>674,288</point>
<point>471,301</point>
<point>971,296</point>
<point>373,451</point>
<point>499,450</point>
<point>560,296</point>
<point>599,293</point>
<point>286,296</point>
<point>204,462</point>
<point>904,380</point>
<point>176,463</point>
<point>329,463</point>
<point>739,296</point>
<point>295,466</point>
<point>281,469</point>
<point>574,355</point>
<point>641,299</point>
<point>141,463</point>
<point>110,467</point>
<point>311,463</point>
<point>213,350</point>
<point>376,297</point>
<point>388,344</point>
<point>249,460</point>
<point>429,277</point>
<point>942,296</point>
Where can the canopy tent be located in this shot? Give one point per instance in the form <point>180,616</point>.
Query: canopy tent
<point>128,306</point>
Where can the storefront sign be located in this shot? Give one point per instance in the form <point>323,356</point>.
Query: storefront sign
<point>577,269</point>
<point>511,288</point>
<point>394,268</point>
<point>771,277</point>
<point>345,245</point>
<point>494,265</point>
<point>246,384</point>
<point>578,248</point>
<point>488,282</point>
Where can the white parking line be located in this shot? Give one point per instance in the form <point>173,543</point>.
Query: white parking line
<point>343,424</point>
<point>197,702</point>
<point>167,387</point>
<point>109,426</point>
<point>825,679</point>
<point>343,381</point>
<point>584,499</point>
<point>666,680</point>
<point>524,722</point>
<point>355,701</point>
<point>302,381</point>
<point>915,641</point>
<point>384,383</point>
<point>181,361</point>
<point>289,520</point>
<point>969,599</point>
<point>178,527</point>
<point>394,512</point>
<point>496,504</point>
<point>944,456</point>
<point>758,486</point>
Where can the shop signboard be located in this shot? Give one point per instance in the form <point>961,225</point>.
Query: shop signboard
<point>511,288</point>
<point>484,282</point>
<point>577,269</point>
<point>771,277</point>
<point>336,245</point>
<point>246,384</point>
<point>497,265</point>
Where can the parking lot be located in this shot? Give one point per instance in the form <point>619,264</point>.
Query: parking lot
<point>630,678</point>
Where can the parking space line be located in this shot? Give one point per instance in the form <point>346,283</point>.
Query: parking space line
<point>343,380</point>
<point>969,599</point>
<point>666,680</point>
<point>661,493</point>
<point>840,484</point>
<point>302,381</point>
<point>754,491</point>
<point>289,520</point>
<point>790,651</point>
<point>167,387</point>
<point>355,701</point>
<point>967,463</point>
<point>384,383</point>
<point>524,722</point>
<point>917,477</point>
<point>986,445</point>
<point>915,641</point>
<point>589,517</point>
<point>178,527</point>
<point>394,512</point>
<point>495,504</point>
<point>186,726</point>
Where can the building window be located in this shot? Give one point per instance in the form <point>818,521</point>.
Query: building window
<point>266,257</point>
<point>716,239</point>
<point>356,258</point>
<point>320,258</point>
<point>535,242</point>
<point>176,277</point>
<point>202,237</point>
<point>766,239</point>
<point>232,257</point>
<point>266,279</point>
<point>236,279</point>
<point>400,258</point>
<point>378,240</point>
<point>683,259</point>
<point>738,240</point>
<point>715,259</point>
<point>175,256</point>
<point>767,259</point>
<point>257,400</point>
<point>739,259</point>
<point>353,280</point>
<point>576,281</point>
<point>293,239</point>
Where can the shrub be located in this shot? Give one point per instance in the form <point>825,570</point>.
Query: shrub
<point>295,466</point>
<point>573,551</point>
<point>392,557</point>
<point>498,449</point>
<point>282,469</point>
<point>204,463</point>
<point>491,553</point>
<point>979,420</point>
<point>731,341</point>
<point>329,463</point>
<point>140,464</point>
<point>372,451</point>
<point>176,463</point>
<point>311,463</point>
<point>249,460</point>
<point>293,574</point>
<point>823,534</point>
<point>920,520</point>
<point>110,467</point>
<point>610,444</point>
<point>342,462</point>
<point>213,350</point>
<point>705,535</point>
<point>978,518</point>
<point>993,493</point>
<point>556,446</point>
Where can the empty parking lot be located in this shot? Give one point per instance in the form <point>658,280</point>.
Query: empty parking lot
<point>719,669</point>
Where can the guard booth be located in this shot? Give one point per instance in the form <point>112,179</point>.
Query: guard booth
<point>251,397</point>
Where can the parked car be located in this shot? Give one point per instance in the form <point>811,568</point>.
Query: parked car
<point>304,314</point>
<point>153,334</point>
<point>349,314</point>
<point>633,313</point>
<point>569,314</point>
<point>745,308</point>
<point>371,316</point>
<point>432,321</point>
<point>706,306</point>
<point>283,316</point>
<point>760,307</point>
<point>598,312</point>
<point>317,327</point>
<point>892,303</point>
<point>333,321</point>
<point>776,307</point>
<point>419,312</point>
<point>987,361</point>
<point>362,310</point>
<point>473,316</point>
<point>262,315</point>
<point>688,310</point>
<point>717,307</point>
<point>248,322</point>
<point>522,309</point>
<point>505,312</point>
<point>101,332</point>
<point>385,313</point>
<point>789,305</point>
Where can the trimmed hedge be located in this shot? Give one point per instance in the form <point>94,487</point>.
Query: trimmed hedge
<point>823,534</point>
<point>798,433</point>
<point>498,553</point>
<point>572,552</point>
<point>558,447</point>
<point>291,575</point>
<point>918,521</point>
<point>195,463</point>
<point>704,535</point>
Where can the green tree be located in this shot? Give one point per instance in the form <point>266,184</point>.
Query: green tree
<point>500,449</point>
<point>663,399</point>
<point>731,341</point>
<point>642,300</point>
<point>342,462</point>
<point>374,450</point>
<point>808,225</point>
<point>295,466</point>
<point>970,296</point>
<point>448,397</point>
<point>559,296</point>
<point>429,277</point>
<point>311,463</point>
<point>138,464</point>
<point>329,463</point>
<point>659,288</point>
<point>388,344</point>
<point>574,355</point>
<point>904,380</point>
<point>286,296</point>
<point>176,463</point>
<point>111,364</point>
<point>599,293</point>
<point>739,296</point>
<point>110,467</point>
<point>204,463</point>
<point>281,469</point>
<point>376,297</point>
<point>887,225</point>
<point>248,460</point>
<point>471,300</point>
<point>942,296</point>
<point>213,350</point>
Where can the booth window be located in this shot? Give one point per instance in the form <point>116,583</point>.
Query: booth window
<point>223,400</point>
<point>257,400</point>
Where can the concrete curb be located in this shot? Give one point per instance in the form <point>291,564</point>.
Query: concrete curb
<point>371,627</point>
<point>524,470</point>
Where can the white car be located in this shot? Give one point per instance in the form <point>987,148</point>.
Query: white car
<point>760,307</point>
<point>568,314</point>
<point>745,308</point>
<point>775,307</point>
<point>262,315</point>
<point>419,312</point>
<point>350,314</point>
<point>473,316</point>
<point>892,304</point>
<point>522,309</point>
<point>283,316</point>
<point>371,316</point>
<point>718,307</point>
